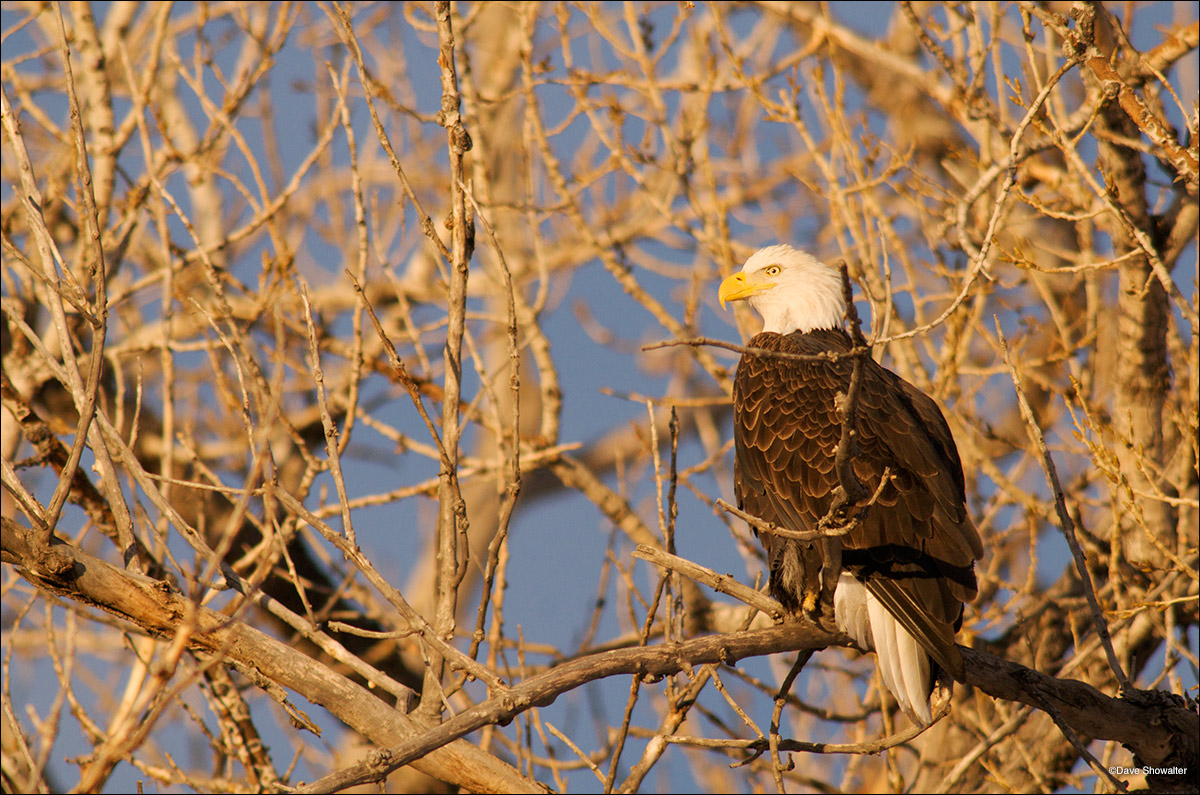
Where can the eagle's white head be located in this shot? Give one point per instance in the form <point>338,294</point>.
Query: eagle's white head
<point>791,289</point>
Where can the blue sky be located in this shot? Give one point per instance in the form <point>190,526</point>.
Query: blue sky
<point>559,543</point>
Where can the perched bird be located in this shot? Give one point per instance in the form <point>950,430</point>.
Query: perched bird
<point>905,570</point>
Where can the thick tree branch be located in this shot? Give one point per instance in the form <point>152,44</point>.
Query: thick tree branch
<point>1159,728</point>
<point>158,610</point>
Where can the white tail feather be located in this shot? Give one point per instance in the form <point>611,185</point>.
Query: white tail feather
<point>903,663</point>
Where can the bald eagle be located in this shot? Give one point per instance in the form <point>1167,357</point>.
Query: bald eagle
<point>907,567</point>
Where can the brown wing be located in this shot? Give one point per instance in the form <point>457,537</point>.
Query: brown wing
<point>916,546</point>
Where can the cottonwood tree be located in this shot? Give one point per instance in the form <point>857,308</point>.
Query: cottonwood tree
<point>355,394</point>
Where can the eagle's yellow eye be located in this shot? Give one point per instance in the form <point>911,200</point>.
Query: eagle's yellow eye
<point>772,270</point>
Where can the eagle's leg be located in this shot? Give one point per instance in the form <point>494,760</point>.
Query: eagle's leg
<point>796,573</point>
<point>831,572</point>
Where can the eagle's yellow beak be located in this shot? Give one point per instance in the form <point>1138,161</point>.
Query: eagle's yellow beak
<point>735,288</point>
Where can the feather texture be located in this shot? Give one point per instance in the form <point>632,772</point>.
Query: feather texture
<point>912,557</point>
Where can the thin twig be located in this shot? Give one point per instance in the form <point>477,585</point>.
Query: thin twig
<point>1066,523</point>
<point>785,687</point>
<point>722,583</point>
<point>824,356</point>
